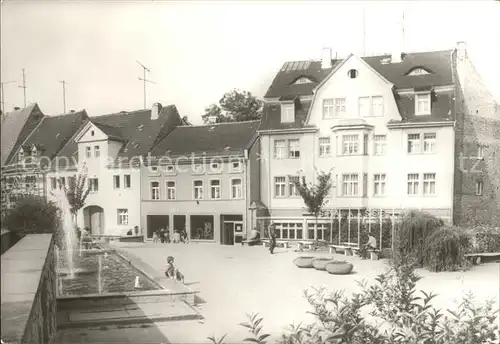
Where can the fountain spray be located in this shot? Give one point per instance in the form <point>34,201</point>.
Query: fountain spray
<point>67,226</point>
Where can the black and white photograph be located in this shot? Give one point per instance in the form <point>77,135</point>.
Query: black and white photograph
<point>224,172</point>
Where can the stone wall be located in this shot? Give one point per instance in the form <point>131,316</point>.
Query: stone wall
<point>477,124</point>
<point>29,291</point>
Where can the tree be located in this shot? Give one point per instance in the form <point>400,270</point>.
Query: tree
<point>76,192</point>
<point>314,196</point>
<point>235,106</point>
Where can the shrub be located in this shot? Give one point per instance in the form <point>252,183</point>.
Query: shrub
<point>445,249</point>
<point>485,239</point>
<point>413,228</point>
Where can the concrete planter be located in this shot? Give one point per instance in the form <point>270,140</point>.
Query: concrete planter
<point>374,255</point>
<point>320,263</point>
<point>304,262</point>
<point>339,268</point>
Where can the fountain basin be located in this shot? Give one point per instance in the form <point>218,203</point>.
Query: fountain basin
<point>66,273</point>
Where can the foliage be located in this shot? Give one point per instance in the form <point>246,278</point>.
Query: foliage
<point>445,249</point>
<point>485,239</point>
<point>314,196</point>
<point>235,106</point>
<point>413,228</point>
<point>397,314</point>
<point>32,214</point>
<point>254,325</point>
<point>76,192</point>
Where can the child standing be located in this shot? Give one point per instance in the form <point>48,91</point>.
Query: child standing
<point>172,272</point>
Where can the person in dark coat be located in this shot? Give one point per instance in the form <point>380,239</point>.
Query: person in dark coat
<point>272,237</point>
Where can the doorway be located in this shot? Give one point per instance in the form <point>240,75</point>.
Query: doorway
<point>93,219</point>
<point>156,222</point>
<point>231,229</point>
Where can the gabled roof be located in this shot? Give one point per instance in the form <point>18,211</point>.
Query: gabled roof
<point>219,139</point>
<point>53,132</point>
<point>439,62</point>
<point>271,116</point>
<point>113,133</point>
<point>16,126</point>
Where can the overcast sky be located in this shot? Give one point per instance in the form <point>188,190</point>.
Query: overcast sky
<point>198,51</point>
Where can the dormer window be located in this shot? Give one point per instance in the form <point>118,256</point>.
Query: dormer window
<point>288,113</point>
<point>302,80</point>
<point>21,155</point>
<point>423,103</point>
<point>418,71</point>
<point>34,152</point>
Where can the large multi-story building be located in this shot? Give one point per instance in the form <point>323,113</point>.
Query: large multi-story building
<point>203,179</point>
<point>383,125</point>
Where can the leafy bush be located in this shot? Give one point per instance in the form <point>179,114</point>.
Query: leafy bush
<point>445,249</point>
<point>413,228</point>
<point>397,316</point>
<point>485,239</point>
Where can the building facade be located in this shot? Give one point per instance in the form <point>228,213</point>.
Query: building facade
<point>202,179</point>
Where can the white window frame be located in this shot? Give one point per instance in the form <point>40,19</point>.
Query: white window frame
<point>429,144</point>
<point>287,113</point>
<point>423,97</point>
<point>215,168</point>
<point>340,106</point>
<point>293,152</point>
<point>152,190</point>
<point>233,169</point>
<point>328,108</point>
<point>414,183</point>
<point>21,155</point>
<point>197,168</point>
<point>480,152</point>
<point>292,189</point>
<point>349,143</point>
<point>170,169</point>
<point>379,145</point>
<point>198,193</point>
<point>350,184</point>
<point>429,184</point>
<point>53,183</point>
<point>116,181</point>
<point>216,188</point>
<point>92,185</point>
<point>170,190</point>
<point>236,189</point>
<point>97,151</point>
<point>418,143</point>
<point>281,184</point>
<point>88,152</point>
<point>380,184</point>
<point>283,149</point>
<point>325,147</point>
<point>367,111</point>
<point>381,106</point>
<point>125,186</point>
<point>479,187</point>
<point>122,217</point>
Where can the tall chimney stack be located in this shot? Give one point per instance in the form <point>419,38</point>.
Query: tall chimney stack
<point>461,50</point>
<point>155,111</point>
<point>326,58</point>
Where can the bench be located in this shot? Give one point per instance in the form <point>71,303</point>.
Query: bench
<point>301,243</point>
<point>283,243</point>
<point>347,247</point>
<point>477,257</point>
<point>250,242</point>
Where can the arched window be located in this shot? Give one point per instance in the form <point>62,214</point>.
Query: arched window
<point>418,71</point>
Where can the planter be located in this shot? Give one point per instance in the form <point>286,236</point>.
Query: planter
<point>374,255</point>
<point>348,252</point>
<point>304,262</point>
<point>320,263</point>
<point>339,268</point>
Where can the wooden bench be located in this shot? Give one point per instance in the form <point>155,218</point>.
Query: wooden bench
<point>477,257</point>
<point>250,242</point>
<point>302,243</point>
<point>283,243</point>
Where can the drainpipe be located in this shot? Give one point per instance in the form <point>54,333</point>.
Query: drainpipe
<point>247,183</point>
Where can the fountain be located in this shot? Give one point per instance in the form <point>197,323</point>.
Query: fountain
<point>68,228</point>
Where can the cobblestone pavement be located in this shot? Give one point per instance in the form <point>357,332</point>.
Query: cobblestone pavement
<point>235,280</point>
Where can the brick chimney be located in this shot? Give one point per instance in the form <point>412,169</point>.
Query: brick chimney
<point>461,50</point>
<point>155,111</point>
<point>326,58</point>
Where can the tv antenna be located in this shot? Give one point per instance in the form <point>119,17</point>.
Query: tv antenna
<point>3,95</point>
<point>64,83</point>
<point>145,69</point>
<point>24,87</point>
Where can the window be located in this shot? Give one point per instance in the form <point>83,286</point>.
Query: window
<point>294,149</point>
<point>215,189</point>
<point>62,183</point>
<point>197,168</point>
<point>429,143</point>
<point>21,155</point>
<point>289,230</point>
<point>418,71</point>
<point>30,182</point>
<point>92,133</point>
<point>202,227</point>
<point>153,169</point>
<point>215,167</point>
<point>324,146</point>
<point>413,143</point>
<point>321,232</point>
<point>429,184</point>
<point>292,189</point>
<point>123,216</point>
<point>126,181</point>
<point>350,144</point>
<point>88,152</point>
<point>116,181</point>
<point>302,80</point>
<point>287,113</point>
<point>93,184</point>
<point>479,188</point>
<point>170,190</point>
<point>279,186</point>
<point>328,108</point>
<point>169,169</point>
<point>364,106</point>
<point>352,74</point>
<point>413,184</point>
<point>34,152</point>
<point>422,104</point>
<point>379,184</point>
<point>236,189</point>
<point>377,106</point>
<point>365,144</point>
<point>97,151</point>
<point>235,166</point>
<point>53,183</point>
<point>480,152</point>
<point>379,144</point>
<point>198,189</point>
<point>339,106</point>
<point>279,149</point>
<point>350,185</point>
<point>155,190</point>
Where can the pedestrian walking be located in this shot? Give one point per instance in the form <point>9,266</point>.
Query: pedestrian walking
<point>272,237</point>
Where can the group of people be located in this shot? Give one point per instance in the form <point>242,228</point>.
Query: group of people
<point>166,236</point>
